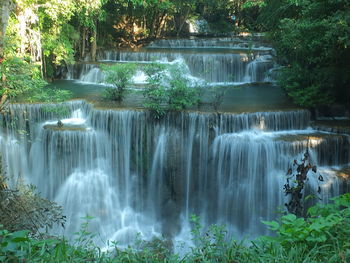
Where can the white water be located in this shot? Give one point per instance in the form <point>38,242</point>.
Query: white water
<point>135,175</point>
<point>243,62</point>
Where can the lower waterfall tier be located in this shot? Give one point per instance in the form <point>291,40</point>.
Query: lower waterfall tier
<point>134,174</point>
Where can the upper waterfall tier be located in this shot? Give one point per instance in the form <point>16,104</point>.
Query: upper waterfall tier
<point>210,67</point>
<point>224,43</point>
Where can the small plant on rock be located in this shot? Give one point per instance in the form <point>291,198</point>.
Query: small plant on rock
<point>168,89</point>
<point>119,76</point>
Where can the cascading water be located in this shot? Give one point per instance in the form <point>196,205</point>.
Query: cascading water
<point>218,43</point>
<point>134,174</point>
<point>221,60</point>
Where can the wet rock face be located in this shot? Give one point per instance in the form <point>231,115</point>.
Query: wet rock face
<point>335,126</point>
<point>333,111</point>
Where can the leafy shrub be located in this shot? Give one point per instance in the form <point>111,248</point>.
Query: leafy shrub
<point>168,89</point>
<point>154,92</point>
<point>180,93</point>
<point>119,75</point>
<point>327,227</point>
<point>22,81</point>
<point>322,237</point>
<point>49,95</point>
<point>18,77</point>
<point>22,208</point>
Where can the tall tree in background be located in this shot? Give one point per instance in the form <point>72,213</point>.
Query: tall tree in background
<point>6,7</point>
<point>183,10</point>
<point>89,13</point>
<point>38,30</point>
<point>312,39</point>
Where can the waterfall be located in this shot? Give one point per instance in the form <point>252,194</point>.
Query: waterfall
<point>258,69</point>
<point>223,43</point>
<point>247,165</point>
<point>216,61</point>
<point>212,67</point>
<point>134,174</point>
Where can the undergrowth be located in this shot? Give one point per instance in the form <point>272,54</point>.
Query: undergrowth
<point>321,237</point>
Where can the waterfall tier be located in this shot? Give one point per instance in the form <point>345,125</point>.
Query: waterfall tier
<point>224,43</point>
<point>211,67</point>
<point>136,174</point>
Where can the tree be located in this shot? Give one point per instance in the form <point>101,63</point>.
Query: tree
<point>39,31</point>
<point>167,89</point>
<point>312,40</point>
<point>6,7</point>
<point>22,81</point>
<point>119,75</point>
<point>183,10</point>
<point>151,15</point>
<point>18,77</point>
<point>217,13</point>
<point>89,13</point>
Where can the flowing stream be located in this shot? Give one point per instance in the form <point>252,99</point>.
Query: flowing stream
<point>135,174</point>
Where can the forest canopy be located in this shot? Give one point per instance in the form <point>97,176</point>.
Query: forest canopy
<point>311,37</point>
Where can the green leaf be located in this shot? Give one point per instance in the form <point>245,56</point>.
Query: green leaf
<point>289,218</point>
<point>273,225</point>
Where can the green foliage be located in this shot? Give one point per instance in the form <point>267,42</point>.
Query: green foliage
<point>180,93</point>
<point>327,226</point>
<point>59,44</point>
<point>19,247</point>
<point>58,37</point>
<point>273,11</point>
<point>217,14</point>
<point>11,39</point>
<point>21,81</point>
<point>59,111</point>
<point>18,77</point>
<point>303,87</point>
<point>167,89</point>
<point>119,75</point>
<point>210,246</point>
<point>43,34</point>
<point>322,237</point>
<point>155,92</point>
<point>88,12</point>
<point>312,39</point>
<point>48,95</point>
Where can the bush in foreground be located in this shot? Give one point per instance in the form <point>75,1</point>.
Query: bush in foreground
<point>322,237</point>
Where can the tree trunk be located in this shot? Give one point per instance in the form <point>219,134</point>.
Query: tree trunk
<point>22,30</point>
<point>83,39</point>
<point>6,7</point>
<point>182,23</point>
<point>94,44</point>
<point>159,25</point>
